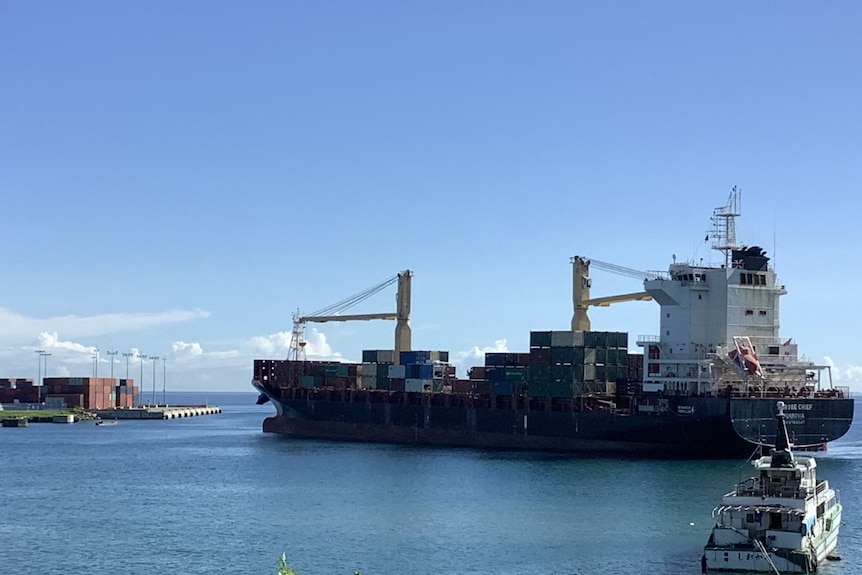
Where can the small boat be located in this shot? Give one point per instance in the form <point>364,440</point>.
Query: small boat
<point>106,422</point>
<point>783,520</point>
<point>15,422</point>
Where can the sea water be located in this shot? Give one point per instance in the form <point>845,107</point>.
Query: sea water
<point>214,495</point>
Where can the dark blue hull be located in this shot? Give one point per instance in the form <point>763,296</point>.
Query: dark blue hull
<point>651,426</point>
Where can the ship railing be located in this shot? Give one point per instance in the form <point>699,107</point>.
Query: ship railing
<point>656,275</point>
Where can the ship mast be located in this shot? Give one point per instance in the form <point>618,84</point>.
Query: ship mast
<point>723,231</point>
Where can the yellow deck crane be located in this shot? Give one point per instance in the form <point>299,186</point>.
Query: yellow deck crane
<point>334,312</point>
<point>581,284</point>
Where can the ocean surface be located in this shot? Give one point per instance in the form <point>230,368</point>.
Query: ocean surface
<point>214,495</point>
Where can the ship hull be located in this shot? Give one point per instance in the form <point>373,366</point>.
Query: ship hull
<point>683,427</point>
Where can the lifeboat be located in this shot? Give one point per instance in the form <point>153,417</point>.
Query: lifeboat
<point>746,359</point>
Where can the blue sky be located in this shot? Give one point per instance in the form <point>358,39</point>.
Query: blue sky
<point>177,178</point>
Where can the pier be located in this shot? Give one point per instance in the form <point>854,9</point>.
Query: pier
<point>158,412</point>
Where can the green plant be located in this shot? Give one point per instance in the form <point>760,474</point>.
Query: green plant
<point>283,567</point>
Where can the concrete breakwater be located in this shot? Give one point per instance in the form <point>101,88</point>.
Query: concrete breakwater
<point>158,412</point>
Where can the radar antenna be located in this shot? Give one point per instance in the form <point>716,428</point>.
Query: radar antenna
<point>723,231</point>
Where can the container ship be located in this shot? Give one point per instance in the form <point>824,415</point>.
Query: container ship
<point>705,387</point>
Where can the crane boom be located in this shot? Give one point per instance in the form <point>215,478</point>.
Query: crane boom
<point>581,284</point>
<point>335,311</point>
<point>607,300</point>
<point>355,317</point>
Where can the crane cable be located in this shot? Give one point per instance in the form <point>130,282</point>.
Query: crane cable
<point>347,303</point>
<point>621,270</point>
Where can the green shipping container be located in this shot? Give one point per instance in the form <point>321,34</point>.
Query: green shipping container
<point>540,339</point>
<point>335,370</point>
<point>516,373</point>
<point>562,354</point>
<point>540,373</point>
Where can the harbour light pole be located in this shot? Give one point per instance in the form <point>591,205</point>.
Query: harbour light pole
<point>96,364</point>
<point>39,375</point>
<point>127,356</point>
<point>143,357</point>
<point>45,354</point>
<point>164,372</point>
<point>154,358</point>
<point>111,355</point>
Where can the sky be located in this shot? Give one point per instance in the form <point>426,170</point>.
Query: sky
<point>177,179</point>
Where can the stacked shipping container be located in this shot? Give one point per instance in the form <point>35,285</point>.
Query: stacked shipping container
<point>86,392</point>
<point>19,389</point>
<point>572,363</point>
<point>562,364</point>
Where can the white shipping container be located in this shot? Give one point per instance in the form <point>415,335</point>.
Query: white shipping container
<point>386,356</point>
<point>368,382</point>
<point>368,369</point>
<point>413,384</point>
<point>562,339</point>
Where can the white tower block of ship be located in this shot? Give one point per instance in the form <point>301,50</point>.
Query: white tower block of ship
<point>719,325</point>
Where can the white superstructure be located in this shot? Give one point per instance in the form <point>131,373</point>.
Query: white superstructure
<point>719,325</point>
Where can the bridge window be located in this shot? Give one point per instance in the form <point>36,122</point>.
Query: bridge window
<point>752,279</point>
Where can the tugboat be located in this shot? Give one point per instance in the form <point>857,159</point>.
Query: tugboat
<point>783,520</point>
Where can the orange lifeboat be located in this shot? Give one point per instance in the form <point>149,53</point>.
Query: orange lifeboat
<point>746,359</point>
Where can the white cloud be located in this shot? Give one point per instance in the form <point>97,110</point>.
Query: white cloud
<point>181,350</point>
<point>270,346</point>
<point>15,327</point>
<point>464,360</point>
<point>849,375</point>
<point>316,347</point>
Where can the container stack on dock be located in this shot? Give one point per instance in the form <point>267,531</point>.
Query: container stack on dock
<point>91,392</point>
<point>19,389</point>
<point>86,392</point>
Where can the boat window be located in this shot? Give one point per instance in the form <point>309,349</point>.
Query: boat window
<point>749,312</point>
<point>775,520</point>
